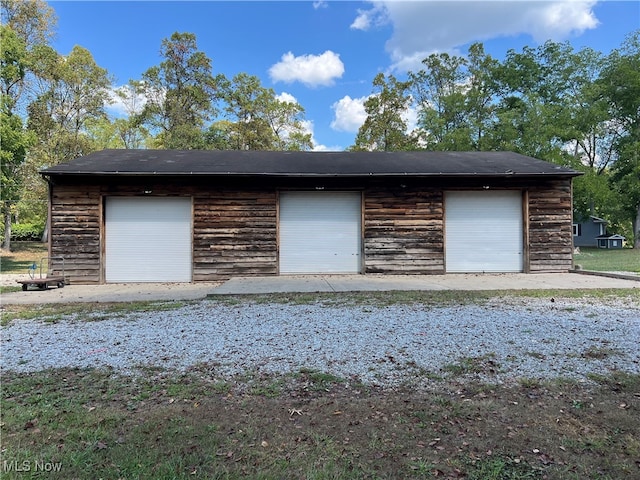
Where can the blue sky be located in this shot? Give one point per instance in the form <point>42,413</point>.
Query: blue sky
<point>325,54</point>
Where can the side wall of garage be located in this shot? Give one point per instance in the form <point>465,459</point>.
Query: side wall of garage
<point>75,232</point>
<point>550,214</point>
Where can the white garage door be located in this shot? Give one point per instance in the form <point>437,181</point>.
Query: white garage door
<point>147,239</point>
<point>320,232</point>
<point>483,231</point>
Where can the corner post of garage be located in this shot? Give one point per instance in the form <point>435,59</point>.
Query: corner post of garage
<point>526,264</point>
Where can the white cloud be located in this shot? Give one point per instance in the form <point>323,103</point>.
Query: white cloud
<point>286,97</point>
<point>424,27</point>
<point>349,114</point>
<point>410,117</point>
<point>366,18</point>
<point>311,70</point>
<point>124,102</point>
<point>320,4</point>
<point>308,127</point>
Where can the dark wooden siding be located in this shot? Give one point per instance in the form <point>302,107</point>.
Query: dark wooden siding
<point>76,216</point>
<point>234,234</point>
<point>550,231</point>
<point>403,231</point>
<point>235,229</point>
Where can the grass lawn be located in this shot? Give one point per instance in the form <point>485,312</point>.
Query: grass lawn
<point>21,256</point>
<point>19,259</point>
<point>603,260</point>
<point>89,424</point>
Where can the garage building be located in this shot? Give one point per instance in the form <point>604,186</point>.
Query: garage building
<point>122,216</point>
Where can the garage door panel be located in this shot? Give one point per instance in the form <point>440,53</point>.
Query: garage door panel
<point>320,232</point>
<point>147,239</point>
<point>483,232</point>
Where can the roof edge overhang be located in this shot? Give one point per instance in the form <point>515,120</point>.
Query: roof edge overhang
<point>78,174</point>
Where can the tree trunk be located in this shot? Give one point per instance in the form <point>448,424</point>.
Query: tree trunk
<point>7,227</point>
<point>45,233</point>
<point>636,229</point>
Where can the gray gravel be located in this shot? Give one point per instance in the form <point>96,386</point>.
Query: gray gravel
<point>506,339</point>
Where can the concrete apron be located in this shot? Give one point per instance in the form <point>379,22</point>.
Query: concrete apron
<point>348,283</point>
<point>313,283</point>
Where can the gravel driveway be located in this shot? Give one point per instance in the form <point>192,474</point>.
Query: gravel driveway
<point>502,340</point>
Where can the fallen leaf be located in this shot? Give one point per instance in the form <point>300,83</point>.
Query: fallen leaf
<point>31,424</point>
<point>264,444</point>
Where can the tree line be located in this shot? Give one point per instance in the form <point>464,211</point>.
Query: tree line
<point>576,108</point>
<point>579,109</point>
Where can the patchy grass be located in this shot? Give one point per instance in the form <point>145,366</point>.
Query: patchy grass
<point>88,312</point>
<point>604,260</point>
<point>100,311</point>
<point>425,297</point>
<point>21,256</point>
<point>197,425</point>
<point>485,364</point>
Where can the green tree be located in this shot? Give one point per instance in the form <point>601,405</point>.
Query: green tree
<point>527,111</point>
<point>123,131</point>
<point>25,24</point>
<point>179,94</point>
<point>620,82</point>
<point>14,140</point>
<point>73,91</point>
<point>439,91</point>
<point>286,119</point>
<point>480,96</point>
<point>257,120</point>
<point>385,128</point>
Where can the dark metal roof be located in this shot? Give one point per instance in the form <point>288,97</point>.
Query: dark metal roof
<point>306,164</point>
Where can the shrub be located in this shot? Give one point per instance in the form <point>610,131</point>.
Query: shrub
<point>23,232</point>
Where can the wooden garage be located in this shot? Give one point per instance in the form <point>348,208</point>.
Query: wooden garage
<point>182,216</point>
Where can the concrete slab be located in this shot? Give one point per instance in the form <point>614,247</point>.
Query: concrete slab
<point>346,283</point>
<point>113,292</point>
<point>131,292</point>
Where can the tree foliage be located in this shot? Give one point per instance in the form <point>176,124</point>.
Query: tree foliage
<point>621,86</point>
<point>27,26</point>
<point>576,108</point>
<point>385,128</point>
<point>258,120</point>
<point>180,94</point>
